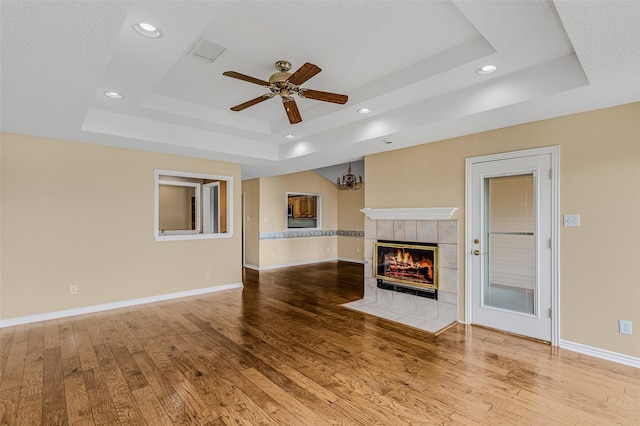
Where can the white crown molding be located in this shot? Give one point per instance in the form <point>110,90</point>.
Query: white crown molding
<point>427,213</point>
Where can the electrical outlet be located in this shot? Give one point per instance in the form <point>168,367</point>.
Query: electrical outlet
<point>73,289</point>
<point>571,220</point>
<point>625,326</point>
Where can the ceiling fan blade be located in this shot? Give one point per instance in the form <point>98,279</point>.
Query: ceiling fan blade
<point>252,102</point>
<point>246,78</point>
<point>324,96</point>
<point>304,73</point>
<point>291,108</point>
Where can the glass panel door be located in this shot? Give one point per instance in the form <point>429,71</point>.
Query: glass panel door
<point>510,262</point>
<point>510,258</point>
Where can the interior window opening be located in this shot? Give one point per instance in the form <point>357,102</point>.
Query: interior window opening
<point>304,211</point>
<point>191,206</point>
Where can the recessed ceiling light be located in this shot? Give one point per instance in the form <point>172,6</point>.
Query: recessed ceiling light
<point>114,95</point>
<point>147,30</point>
<point>147,27</point>
<point>289,136</point>
<point>364,111</point>
<point>487,69</point>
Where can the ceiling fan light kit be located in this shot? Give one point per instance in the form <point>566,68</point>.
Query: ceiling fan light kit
<point>285,85</point>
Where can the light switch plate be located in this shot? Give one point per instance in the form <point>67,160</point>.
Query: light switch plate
<point>571,220</point>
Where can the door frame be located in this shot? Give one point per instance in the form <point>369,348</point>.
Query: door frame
<point>554,152</point>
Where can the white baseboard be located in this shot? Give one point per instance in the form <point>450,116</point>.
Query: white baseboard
<point>304,262</point>
<point>347,259</point>
<point>114,305</point>
<point>600,353</point>
<point>250,266</point>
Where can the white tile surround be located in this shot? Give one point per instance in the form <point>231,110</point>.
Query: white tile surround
<point>426,314</point>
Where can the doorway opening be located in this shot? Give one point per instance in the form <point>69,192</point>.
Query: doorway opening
<point>512,242</point>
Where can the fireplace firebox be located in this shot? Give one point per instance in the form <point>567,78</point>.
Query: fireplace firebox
<point>407,264</point>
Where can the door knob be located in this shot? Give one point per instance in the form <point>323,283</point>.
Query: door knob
<point>476,252</point>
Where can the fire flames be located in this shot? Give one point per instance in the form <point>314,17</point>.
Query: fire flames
<point>402,263</point>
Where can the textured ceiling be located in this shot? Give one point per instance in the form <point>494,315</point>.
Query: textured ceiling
<point>412,62</point>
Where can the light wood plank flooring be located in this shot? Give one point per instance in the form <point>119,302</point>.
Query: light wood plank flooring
<point>282,351</point>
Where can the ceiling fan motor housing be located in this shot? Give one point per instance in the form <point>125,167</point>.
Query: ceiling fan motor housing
<point>279,78</point>
<point>278,81</point>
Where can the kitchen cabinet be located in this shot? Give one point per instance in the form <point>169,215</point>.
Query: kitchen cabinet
<point>304,206</point>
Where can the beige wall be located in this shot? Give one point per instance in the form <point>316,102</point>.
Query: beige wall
<point>82,214</point>
<point>351,248</point>
<point>273,218</point>
<point>350,218</point>
<point>266,203</point>
<point>273,199</point>
<point>174,212</point>
<point>287,251</point>
<point>251,189</point>
<point>600,173</point>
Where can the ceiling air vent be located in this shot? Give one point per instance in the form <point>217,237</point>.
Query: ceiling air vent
<point>206,50</point>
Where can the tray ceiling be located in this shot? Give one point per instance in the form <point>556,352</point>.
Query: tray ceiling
<point>412,63</point>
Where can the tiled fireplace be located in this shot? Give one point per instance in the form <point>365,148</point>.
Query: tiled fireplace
<point>410,227</point>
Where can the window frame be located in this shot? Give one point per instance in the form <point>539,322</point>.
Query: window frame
<point>177,235</point>
<point>318,226</point>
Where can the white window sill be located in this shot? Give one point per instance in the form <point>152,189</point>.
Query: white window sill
<point>178,237</point>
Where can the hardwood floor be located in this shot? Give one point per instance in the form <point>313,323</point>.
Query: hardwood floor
<point>282,351</point>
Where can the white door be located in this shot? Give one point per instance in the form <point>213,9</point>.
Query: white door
<point>509,242</point>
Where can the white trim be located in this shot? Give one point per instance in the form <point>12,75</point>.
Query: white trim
<point>178,237</point>
<point>243,209</point>
<point>250,266</point>
<point>554,152</point>
<point>468,223</point>
<point>304,262</point>
<point>309,262</point>
<point>348,259</point>
<point>188,236</point>
<point>428,213</point>
<point>206,207</point>
<point>114,305</point>
<point>555,245</point>
<point>600,353</point>
<point>180,232</point>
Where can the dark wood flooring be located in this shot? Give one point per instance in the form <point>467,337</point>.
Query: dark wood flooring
<point>282,351</point>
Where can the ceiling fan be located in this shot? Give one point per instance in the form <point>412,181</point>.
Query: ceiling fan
<point>285,84</point>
